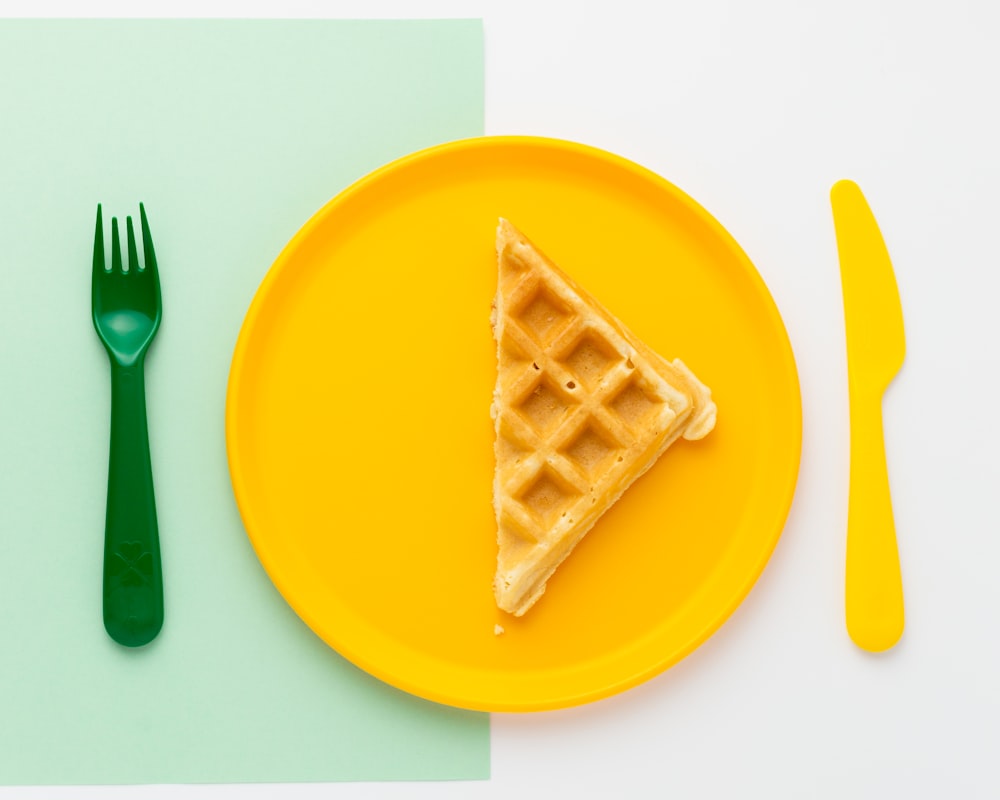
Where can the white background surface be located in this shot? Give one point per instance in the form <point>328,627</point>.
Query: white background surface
<point>755,109</point>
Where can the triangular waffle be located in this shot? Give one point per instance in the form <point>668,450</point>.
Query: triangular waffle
<point>581,408</point>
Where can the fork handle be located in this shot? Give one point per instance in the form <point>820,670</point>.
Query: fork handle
<point>133,578</point>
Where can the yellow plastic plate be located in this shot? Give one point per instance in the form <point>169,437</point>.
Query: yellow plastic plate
<point>360,441</point>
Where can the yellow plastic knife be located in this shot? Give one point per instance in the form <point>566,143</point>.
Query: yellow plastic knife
<point>876,346</point>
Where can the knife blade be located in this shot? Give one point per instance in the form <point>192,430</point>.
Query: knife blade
<point>876,347</point>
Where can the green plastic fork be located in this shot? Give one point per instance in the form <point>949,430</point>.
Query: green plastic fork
<point>127,311</point>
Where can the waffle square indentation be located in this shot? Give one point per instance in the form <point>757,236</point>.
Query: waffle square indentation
<point>545,406</point>
<point>591,359</point>
<point>634,404</point>
<point>548,496</point>
<point>591,448</point>
<point>543,314</point>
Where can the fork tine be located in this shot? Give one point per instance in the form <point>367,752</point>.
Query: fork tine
<point>99,244</point>
<point>116,247</point>
<point>148,254</point>
<point>133,256</point>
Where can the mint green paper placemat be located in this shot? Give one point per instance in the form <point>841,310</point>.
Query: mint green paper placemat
<point>232,133</point>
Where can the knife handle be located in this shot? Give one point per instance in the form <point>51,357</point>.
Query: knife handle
<point>874,590</point>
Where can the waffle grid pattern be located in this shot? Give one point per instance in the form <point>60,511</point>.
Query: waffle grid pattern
<point>578,405</point>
